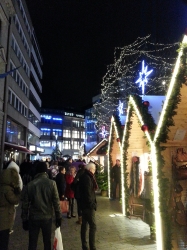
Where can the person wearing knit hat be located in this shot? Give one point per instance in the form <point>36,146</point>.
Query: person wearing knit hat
<point>40,198</point>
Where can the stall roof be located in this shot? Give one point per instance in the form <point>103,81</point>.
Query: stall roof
<point>176,133</point>
<point>93,151</point>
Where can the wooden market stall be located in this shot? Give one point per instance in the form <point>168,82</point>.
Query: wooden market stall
<point>170,142</point>
<point>114,147</point>
<point>136,176</point>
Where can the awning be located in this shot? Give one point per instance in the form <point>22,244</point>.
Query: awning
<point>13,147</point>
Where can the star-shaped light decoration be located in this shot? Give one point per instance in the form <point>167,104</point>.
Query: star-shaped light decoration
<point>120,108</point>
<point>143,77</point>
<point>103,132</point>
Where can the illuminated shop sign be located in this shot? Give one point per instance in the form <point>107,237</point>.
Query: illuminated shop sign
<point>46,116</point>
<point>73,114</point>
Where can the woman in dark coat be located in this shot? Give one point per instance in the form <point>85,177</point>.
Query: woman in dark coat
<point>61,182</point>
<point>9,197</point>
<point>75,187</point>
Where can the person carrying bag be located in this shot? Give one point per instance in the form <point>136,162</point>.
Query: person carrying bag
<point>57,244</point>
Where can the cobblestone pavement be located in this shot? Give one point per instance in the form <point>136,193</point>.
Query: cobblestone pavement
<point>114,232</point>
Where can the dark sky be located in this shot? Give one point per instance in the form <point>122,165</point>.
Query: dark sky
<point>77,40</point>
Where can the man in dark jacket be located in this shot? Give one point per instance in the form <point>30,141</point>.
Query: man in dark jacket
<point>40,197</point>
<point>88,185</point>
<point>116,178</point>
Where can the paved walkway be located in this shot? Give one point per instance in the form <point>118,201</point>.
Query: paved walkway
<point>114,232</point>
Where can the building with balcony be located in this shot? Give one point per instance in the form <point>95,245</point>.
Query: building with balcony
<point>22,87</point>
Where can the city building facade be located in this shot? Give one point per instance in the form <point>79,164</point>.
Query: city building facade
<point>63,128</point>
<point>6,12</point>
<point>22,101</point>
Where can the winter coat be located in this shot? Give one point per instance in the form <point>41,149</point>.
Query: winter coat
<point>13,165</point>
<point>69,193</point>
<point>9,197</point>
<point>40,197</point>
<point>61,184</point>
<point>87,191</point>
<point>75,185</point>
<point>116,173</point>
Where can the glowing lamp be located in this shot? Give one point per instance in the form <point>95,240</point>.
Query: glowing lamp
<point>146,104</point>
<point>144,128</point>
<point>118,139</point>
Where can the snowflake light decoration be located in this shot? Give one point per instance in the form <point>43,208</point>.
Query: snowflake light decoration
<point>143,77</point>
<point>103,132</point>
<point>120,108</point>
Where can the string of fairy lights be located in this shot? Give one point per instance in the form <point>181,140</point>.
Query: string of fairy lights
<point>121,76</point>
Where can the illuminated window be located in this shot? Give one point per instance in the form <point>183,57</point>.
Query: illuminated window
<point>67,145</point>
<point>57,132</point>
<point>66,133</point>
<point>75,134</point>
<point>57,120</point>
<point>45,131</point>
<point>76,145</point>
<point>82,135</point>
<point>82,124</point>
<point>76,124</point>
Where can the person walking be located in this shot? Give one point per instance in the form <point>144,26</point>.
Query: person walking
<point>76,189</point>
<point>13,165</point>
<point>69,193</point>
<point>9,197</point>
<point>116,178</point>
<point>88,186</point>
<point>40,197</point>
<point>61,182</point>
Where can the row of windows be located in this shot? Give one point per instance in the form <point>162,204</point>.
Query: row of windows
<point>50,120</point>
<point>66,133</point>
<point>17,77</point>
<point>77,124</point>
<point>19,55</point>
<point>17,103</point>
<point>33,119</point>
<point>65,144</point>
<point>24,17</point>
<point>75,134</point>
<point>67,123</point>
<point>20,30</point>
<point>68,145</point>
<point>46,131</point>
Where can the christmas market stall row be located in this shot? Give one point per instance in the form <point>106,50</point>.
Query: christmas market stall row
<point>152,147</point>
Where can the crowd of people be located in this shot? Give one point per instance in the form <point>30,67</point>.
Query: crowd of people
<point>39,187</point>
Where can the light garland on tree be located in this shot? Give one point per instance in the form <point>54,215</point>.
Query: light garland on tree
<point>119,80</point>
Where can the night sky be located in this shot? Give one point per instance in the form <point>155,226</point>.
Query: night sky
<point>77,40</point>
